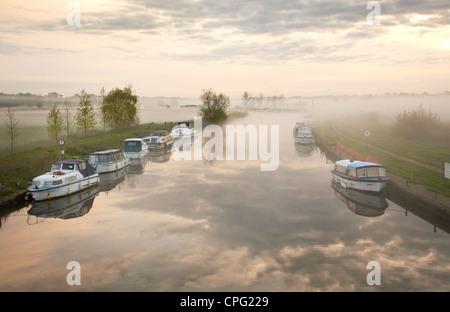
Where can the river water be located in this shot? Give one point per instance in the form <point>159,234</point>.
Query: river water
<point>225,225</point>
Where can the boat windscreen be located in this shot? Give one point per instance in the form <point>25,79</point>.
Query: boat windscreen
<point>68,166</point>
<point>56,167</point>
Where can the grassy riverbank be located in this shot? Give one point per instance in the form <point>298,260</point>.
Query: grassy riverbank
<point>328,132</point>
<point>17,168</point>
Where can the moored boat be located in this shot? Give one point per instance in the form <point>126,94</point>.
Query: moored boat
<point>360,175</point>
<point>66,177</point>
<point>159,139</point>
<point>303,134</point>
<point>108,160</point>
<point>183,130</point>
<point>135,148</point>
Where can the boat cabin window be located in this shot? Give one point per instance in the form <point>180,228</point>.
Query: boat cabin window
<point>352,172</point>
<point>56,167</point>
<point>81,166</point>
<point>341,169</point>
<point>372,172</point>
<point>345,170</point>
<point>56,182</point>
<point>70,179</point>
<point>68,166</point>
<point>361,173</point>
<point>104,158</point>
<point>132,146</point>
<point>99,158</point>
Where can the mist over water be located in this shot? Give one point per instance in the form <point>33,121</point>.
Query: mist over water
<point>197,225</point>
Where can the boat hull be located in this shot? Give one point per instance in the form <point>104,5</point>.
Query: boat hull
<point>41,194</point>
<point>365,185</point>
<point>305,140</point>
<point>137,155</point>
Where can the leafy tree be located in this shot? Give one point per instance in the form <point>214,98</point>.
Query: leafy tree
<point>55,122</point>
<point>12,126</point>
<point>85,116</point>
<point>119,108</point>
<point>214,106</point>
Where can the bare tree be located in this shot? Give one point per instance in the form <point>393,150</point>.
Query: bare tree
<point>12,126</point>
<point>102,109</point>
<point>67,116</point>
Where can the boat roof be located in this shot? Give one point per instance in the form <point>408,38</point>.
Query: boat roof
<point>134,139</point>
<point>354,164</point>
<point>111,151</point>
<point>159,131</point>
<point>70,161</point>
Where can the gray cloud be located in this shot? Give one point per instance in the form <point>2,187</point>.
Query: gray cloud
<point>197,23</point>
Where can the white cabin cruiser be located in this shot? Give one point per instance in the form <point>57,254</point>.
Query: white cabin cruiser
<point>66,177</point>
<point>303,134</point>
<point>108,161</point>
<point>159,139</point>
<point>360,175</point>
<point>183,130</point>
<point>135,148</point>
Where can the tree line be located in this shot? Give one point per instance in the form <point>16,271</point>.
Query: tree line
<point>118,109</point>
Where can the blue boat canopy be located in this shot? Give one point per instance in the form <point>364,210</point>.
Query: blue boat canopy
<point>354,164</point>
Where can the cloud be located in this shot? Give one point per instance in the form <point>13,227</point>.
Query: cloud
<point>166,36</point>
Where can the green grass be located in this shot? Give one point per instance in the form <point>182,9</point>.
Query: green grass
<point>29,136</point>
<point>430,154</point>
<point>17,168</point>
<point>430,179</point>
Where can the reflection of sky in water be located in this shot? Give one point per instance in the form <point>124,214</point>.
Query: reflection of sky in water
<point>226,226</point>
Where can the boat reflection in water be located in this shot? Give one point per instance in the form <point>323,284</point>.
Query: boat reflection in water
<point>67,207</point>
<point>304,150</point>
<point>137,165</point>
<point>160,156</point>
<point>361,203</point>
<point>110,180</point>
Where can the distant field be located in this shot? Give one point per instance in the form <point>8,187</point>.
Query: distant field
<point>33,132</point>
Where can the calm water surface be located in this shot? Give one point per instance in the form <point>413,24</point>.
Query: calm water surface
<point>168,225</point>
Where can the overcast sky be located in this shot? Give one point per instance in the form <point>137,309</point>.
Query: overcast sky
<point>178,48</point>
